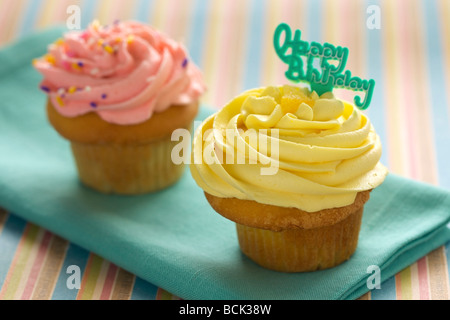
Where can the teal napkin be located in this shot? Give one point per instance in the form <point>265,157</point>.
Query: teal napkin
<point>173,238</point>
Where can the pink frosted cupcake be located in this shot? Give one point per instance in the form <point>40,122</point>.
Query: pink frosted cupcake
<point>117,93</point>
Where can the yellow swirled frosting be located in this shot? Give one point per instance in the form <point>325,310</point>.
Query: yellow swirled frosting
<point>287,147</point>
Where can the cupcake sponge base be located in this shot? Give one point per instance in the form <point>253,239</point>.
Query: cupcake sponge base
<point>125,159</point>
<point>127,169</point>
<point>300,250</point>
<point>290,239</point>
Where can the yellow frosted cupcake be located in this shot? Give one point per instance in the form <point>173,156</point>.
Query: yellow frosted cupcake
<point>293,170</point>
<point>116,93</point>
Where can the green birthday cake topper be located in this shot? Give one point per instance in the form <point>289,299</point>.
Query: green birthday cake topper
<point>301,56</point>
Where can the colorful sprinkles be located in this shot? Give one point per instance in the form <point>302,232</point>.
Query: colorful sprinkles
<point>45,88</point>
<point>60,101</point>
<point>73,63</point>
<point>72,89</point>
<point>59,42</point>
<point>77,66</point>
<point>50,59</point>
<point>61,92</point>
<point>185,63</point>
<point>109,49</point>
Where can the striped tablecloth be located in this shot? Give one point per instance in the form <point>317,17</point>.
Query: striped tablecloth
<point>406,50</point>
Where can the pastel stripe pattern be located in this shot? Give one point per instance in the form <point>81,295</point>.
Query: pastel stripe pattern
<point>408,56</point>
<point>38,269</point>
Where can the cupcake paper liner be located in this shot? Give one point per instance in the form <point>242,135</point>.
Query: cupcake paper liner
<point>127,169</point>
<point>300,250</point>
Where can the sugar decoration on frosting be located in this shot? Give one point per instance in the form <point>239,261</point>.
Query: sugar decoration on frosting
<point>71,56</point>
<point>78,65</point>
<point>50,59</point>
<point>45,89</point>
<point>72,89</point>
<point>301,56</point>
<point>60,100</point>
<point>109,49</point>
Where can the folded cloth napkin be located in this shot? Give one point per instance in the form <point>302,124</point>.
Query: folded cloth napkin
<point>173,238</point>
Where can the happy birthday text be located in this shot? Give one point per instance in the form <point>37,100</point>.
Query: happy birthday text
<point>302,58</point>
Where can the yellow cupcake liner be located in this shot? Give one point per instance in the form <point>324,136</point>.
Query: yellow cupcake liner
<point>301,250</point>
<point>127,169</point>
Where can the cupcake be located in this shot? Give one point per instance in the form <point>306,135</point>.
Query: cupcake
<point>293,170</point>
<point>117,93</point>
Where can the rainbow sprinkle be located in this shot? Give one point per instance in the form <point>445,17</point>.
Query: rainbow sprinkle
<point>72,89</point>
<point>104,96</point>
<point>130,39</point>
<point>59,42</point>
<point>44,88</point>
<point>50,59</point>
<point>60,101</point>
<point>185,63</point>
<point>77,65</point>
<point>93,105</point>
<point>109,49</point>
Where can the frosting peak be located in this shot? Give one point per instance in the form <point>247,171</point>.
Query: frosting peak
<point>327,150</point>
<point>124,72</point>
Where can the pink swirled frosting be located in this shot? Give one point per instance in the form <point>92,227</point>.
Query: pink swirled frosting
<point>125,72</point>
